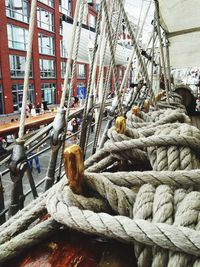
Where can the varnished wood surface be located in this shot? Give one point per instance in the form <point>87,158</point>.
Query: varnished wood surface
<point>31,122</point>
<point>72,249</point>
<point>12,127</point>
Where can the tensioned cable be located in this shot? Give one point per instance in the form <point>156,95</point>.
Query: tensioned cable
<point>27,69</point>
<point>108,75</point>
<point>69,59</point>
<point>77,42</point>
<point>85,112</point>
<point>161,48</point>
<point>138,33</point>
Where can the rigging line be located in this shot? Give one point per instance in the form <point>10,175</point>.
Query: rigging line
<point>168,62</point>
<point>94,72</point>
<point>138,33</point>
<point>102,59</point>
<point>153,50</point>
<point>114,105</point>
<point>85,112</point>
<point>77,42</point>
<point>137,50</point>
<point>161,48</point>
<point>69,59</point>
<point>27,69</point>
<point>59,123</point>
<point>138,24</point>
<point>76,48</point>
<point>113,58</point>
<point>108,75</point>
<point>97,56</point>
<point>102,36</point>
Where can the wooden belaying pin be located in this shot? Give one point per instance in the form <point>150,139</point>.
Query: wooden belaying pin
<point>74,167</point>
<point>157,97</point>
<point>146,106</point>
<point>120,125</point>
<point>136,110</point>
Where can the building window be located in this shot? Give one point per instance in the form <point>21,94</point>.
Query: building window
<point>61,27</point>
<point>92,21</point>
<point>17,93</point>
<point>18,9</point>
<point>48,93</point>
<point>47,68</point>
<point>1,100</point>
<point>48,2</point>
<point>65,7</point>
<point>45,19</point>
<point>63,70</point>
<point>63,50</point>
<point>17,37</point>
<point>46,44</point>
<point>81,71</point>
<point>17,66</point>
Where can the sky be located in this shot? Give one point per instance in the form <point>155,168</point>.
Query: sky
<point>134,7</point>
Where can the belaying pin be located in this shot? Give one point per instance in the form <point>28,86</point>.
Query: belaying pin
<point>74,167</point>
<point>120,125</point>
<point>136,110</point>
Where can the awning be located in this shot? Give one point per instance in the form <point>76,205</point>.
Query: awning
<point>181,20</point>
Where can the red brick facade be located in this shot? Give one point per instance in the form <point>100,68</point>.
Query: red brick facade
<point>6,81</point>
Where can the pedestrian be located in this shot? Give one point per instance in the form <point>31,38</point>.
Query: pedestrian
<point>69,141</point>
<point>75,129</point>
<point>36,159</point>
<point>3,151</point>
<point>9,139</point>
<point>37,109</point>
<point>33,111</point>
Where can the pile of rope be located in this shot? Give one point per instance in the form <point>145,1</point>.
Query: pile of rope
<point>156,210</point>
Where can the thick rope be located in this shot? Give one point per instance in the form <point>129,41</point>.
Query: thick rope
<point>27,239</point>
<point>125,229</point>
<point>152,141</point>
<point>185,178</point>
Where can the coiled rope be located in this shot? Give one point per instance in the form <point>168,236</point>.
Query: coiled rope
<point>157,211</point>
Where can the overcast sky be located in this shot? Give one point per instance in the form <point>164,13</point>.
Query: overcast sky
<point>133,8</point>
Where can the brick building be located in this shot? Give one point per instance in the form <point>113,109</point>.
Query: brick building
<point>48,55</point>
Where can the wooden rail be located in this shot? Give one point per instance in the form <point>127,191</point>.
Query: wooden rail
<point>31,122</point>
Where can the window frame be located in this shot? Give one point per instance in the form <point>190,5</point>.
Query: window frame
<point>51,89</point>
<point>14,71</point>
<point>42,49</point>
<point>17,92</point>
<point>81,75</point>
<point>12,42</point>
<point>11,11</point>
<point>47,2</point>
<point>49,74</point>
<point>40,22</point>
